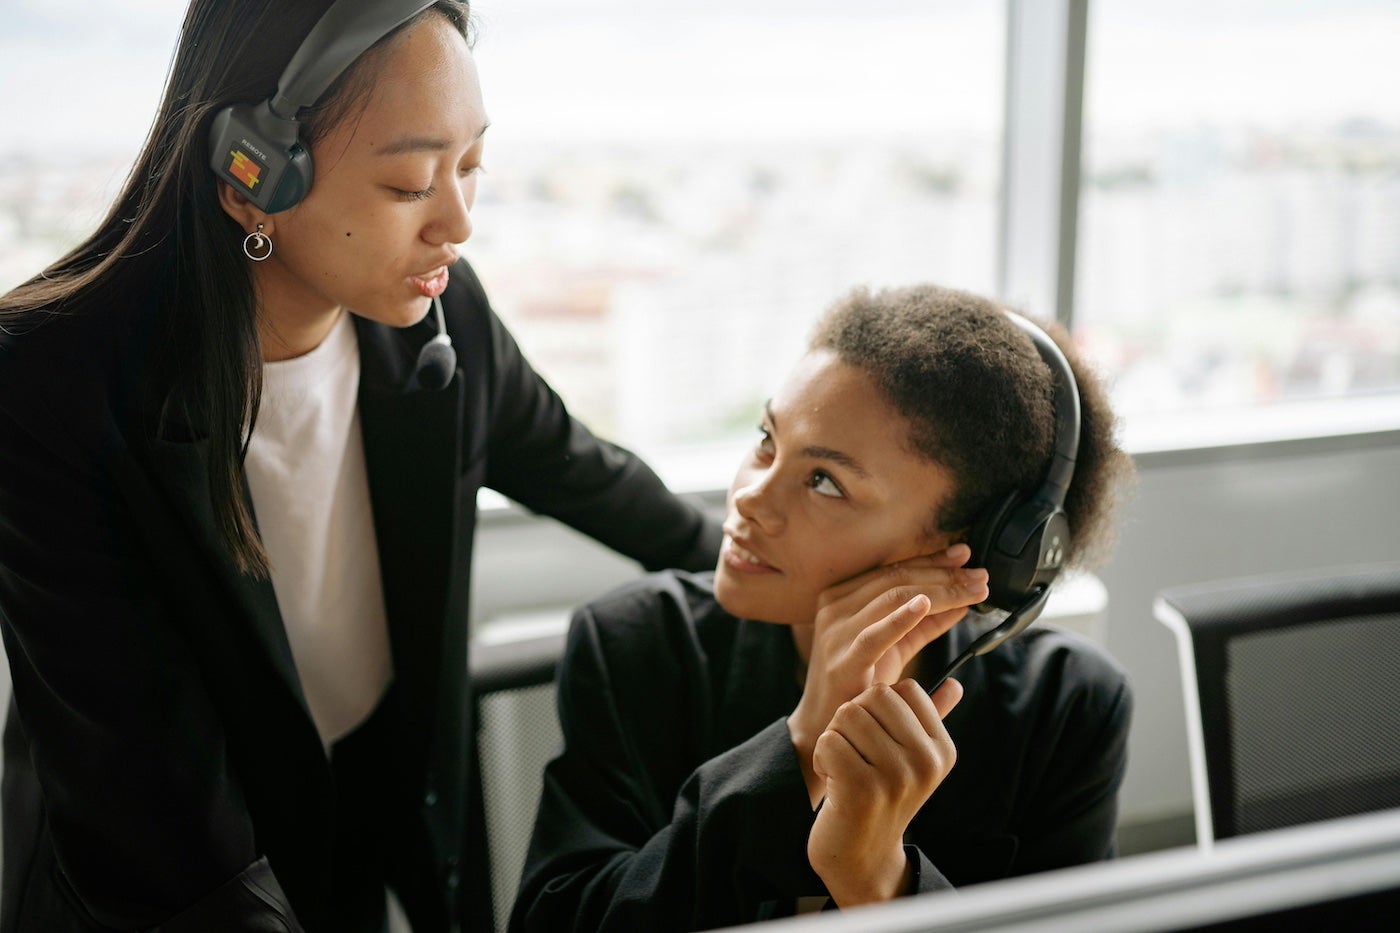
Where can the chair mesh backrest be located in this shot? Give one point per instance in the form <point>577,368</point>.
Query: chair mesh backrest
<point>1315,715</point>
<point>519,733</point>
<point>1298,681</point>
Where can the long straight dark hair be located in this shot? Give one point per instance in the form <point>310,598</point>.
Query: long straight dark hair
<point>167,242</point>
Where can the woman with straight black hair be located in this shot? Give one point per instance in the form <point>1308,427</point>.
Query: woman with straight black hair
<point>238,497</point>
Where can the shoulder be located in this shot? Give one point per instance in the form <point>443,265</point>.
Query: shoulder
<point>1066,673</point>
<point>470,318</point>
<point>654,612</point>
<point>665,627</point>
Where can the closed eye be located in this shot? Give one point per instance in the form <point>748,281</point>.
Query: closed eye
<point>421,194</point>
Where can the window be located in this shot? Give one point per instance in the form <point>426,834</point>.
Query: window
<point>1240,202</point>
<point>79,94</point>
<point>674,192</point>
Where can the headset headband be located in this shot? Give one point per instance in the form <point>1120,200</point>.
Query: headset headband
<point>340,36</point>
<point>1061,468</point>
<point>257,148</point>
<point>1022,540</point>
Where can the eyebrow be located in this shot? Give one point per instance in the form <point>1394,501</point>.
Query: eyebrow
<point>423,144</point>
<point>818,452</point>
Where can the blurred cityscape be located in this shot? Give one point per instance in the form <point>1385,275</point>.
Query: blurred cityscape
<point>1230,268</point>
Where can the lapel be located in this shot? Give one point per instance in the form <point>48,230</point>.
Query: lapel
<point>181,472</point>
<point>179,468</point>
<point>412,439</point>
<point>412,442</point>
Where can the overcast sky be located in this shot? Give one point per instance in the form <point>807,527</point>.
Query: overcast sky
<point>78,78</point>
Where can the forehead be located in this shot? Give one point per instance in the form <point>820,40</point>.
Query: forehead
<point>425,85</point>
<point>833,406</point>
<point>839,406</point>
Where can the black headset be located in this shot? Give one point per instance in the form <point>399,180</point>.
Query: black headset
<point>1023,538</point>
<point>257,148</point>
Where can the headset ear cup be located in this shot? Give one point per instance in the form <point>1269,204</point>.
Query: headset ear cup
<point>987,529</point>
<point>295,181</point>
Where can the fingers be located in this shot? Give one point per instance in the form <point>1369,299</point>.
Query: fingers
<point>929,629</point>
<point>896,736</point>
<point>903,572</point>
<point>914,618</point>
<point>834,754</point>
<point>955,555</point>
<point>920,706</point>
<point>945,697</point>
<point>946,588</point>
<point>898,717</point>
<point>874,640</point>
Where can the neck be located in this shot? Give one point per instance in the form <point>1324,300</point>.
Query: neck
<point>802,640</point>
<point>285,341</point>
<point>293,319</point>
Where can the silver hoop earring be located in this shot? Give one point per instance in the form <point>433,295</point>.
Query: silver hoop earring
<point>257,245</point>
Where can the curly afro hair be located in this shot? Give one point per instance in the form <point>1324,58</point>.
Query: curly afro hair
<point>979,400</point>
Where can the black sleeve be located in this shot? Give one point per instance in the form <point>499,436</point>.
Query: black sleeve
<point>145,817</point>
<point>618,847</point>
<point>551,463</point>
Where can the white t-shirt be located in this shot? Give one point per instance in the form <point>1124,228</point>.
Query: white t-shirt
<point>306,473</point>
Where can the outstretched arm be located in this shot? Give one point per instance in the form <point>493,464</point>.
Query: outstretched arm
<point>548,461</point>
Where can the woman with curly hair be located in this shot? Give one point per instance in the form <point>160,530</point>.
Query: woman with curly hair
<point>760,740</point>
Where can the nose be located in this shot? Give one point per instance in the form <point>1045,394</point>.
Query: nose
<point>756,501</point>
<point>452,223</point>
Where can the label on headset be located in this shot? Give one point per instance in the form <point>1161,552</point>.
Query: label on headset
<point>242,167</point>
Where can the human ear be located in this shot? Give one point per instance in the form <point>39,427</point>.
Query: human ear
<point>244,212</point>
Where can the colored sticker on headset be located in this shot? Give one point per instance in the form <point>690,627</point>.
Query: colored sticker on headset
<point>244,169</point>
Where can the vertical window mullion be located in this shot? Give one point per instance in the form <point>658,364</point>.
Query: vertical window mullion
<point>1038,219</point>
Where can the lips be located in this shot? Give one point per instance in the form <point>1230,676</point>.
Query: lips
<point>740,558</point>
<point>433,283</point>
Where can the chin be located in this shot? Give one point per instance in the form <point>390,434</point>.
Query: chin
<point>738,598</point>
<point>729,593</point>
<point>398,314</point>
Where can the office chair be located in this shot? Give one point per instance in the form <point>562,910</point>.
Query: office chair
<point>1292,687</point>
<point>517,732</point>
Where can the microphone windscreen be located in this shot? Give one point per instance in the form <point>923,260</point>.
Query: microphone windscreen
<point>436,364</point>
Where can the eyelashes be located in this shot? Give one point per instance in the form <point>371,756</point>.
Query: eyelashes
<point>820,481</point>
<point>423,194</point>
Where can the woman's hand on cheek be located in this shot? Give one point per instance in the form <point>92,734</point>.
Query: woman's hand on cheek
<point>885,752</point>
<point>867,630</point>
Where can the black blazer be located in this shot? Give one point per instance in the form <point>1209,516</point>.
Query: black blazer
<point>161,767</point>
<point>678,803</point>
